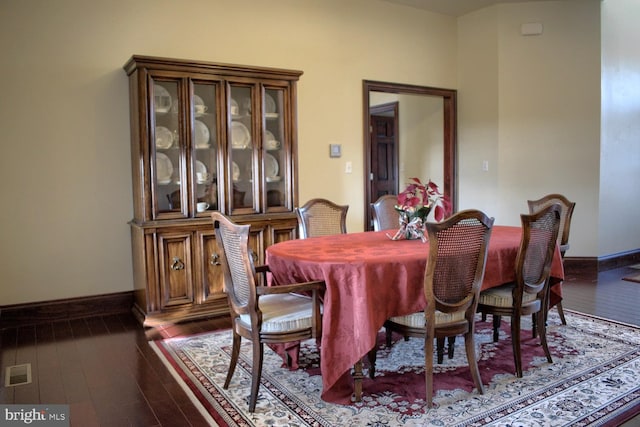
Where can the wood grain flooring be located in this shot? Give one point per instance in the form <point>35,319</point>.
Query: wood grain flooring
<point>105,370</point>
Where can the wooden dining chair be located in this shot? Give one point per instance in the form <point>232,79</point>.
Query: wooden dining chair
<point>384,213</point>
<point>453,275</point>
<point>321,217</point>
<point>530,292</point>
<point>565,226</point>
<point>385,217</point>
<point>261,314</point>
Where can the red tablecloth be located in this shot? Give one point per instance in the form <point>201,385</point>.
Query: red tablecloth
<point>370,278</point>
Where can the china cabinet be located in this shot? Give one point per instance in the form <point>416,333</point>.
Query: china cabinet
<point>205,136</point>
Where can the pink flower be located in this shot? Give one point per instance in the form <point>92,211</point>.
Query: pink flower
<point>417,196</point>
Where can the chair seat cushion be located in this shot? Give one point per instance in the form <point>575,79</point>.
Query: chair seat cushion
<point>502,296</point>
<point>416,320</point>
<point>283,313</point>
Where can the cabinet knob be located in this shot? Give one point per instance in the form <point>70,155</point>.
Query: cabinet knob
<point>214,259</point>
<point>177,264</point>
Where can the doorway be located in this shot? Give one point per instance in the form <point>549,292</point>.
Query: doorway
<point>425,139</point>
<point>384,149</point>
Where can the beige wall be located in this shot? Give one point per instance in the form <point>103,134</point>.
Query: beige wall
<point>478,102</point>
<point>65,168</point>
<point>421,135</point>
<point>421,138</point>
<point>530,106</point>
<point>619,204</point>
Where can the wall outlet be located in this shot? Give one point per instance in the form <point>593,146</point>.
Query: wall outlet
<point>485,165</point>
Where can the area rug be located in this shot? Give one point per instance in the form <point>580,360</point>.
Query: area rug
<point>594,381</point>
<point>632,278</point>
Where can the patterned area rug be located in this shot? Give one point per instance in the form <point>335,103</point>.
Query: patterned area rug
<point>593,381</point>
<point>632,278</point>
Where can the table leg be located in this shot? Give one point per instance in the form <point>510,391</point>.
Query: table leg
<point>357,380</point>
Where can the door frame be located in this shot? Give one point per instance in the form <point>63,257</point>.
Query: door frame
<point>383,110</point>
<point>449,99</point>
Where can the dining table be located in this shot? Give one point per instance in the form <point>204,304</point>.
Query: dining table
<point>369,278</point>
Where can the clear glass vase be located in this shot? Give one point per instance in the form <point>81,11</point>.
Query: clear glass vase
<point>412,224</point>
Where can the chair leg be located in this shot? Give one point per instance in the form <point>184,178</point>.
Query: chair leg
<point>451,343</point>
<point>561,313</point>
<point>428,367</point>
<point>256,372</point>
<point>515,340</point>
<point>496,327</point>
<point>543,337</point>
<point>440,349</point>
<point>372,361</point>
<point>235,353</point>
<point>388,336</point>
<point>534,329</point>
<point>470,348</point>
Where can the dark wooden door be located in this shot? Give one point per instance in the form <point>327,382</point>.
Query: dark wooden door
<point>381,153</point>
<point>384,159</point>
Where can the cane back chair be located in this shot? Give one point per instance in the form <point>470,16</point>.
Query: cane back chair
<point>384,214</point>
<point>529,294</point>
<point>261,314</point>
<point>321,217</point>
<point>565,226</point>
<point>455,268</point>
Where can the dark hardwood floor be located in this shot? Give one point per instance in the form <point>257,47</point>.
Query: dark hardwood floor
<point>105,370</point>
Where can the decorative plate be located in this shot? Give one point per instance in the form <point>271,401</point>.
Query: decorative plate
<point>161,99</point>
<point>164,138</point>
<point>202,176</point>
<point>268,136</point>
<point>164,168</point>
<point>240,136</point>
<point>269,104</point>
<point>270,166</point>
<point>199,108</point>
<point>236,172</point>
<point>200,167</point>
<point>271,143</point>
<point>235,110</point>
<point>202,135</point>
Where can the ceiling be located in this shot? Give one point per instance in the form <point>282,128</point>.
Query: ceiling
<point>453,7</point>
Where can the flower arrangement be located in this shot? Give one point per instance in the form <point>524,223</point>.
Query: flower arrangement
<point>415,203</point>
<point>418,197</point>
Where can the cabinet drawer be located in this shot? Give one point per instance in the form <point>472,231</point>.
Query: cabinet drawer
<point>208,268</point>
<point>176,273</point>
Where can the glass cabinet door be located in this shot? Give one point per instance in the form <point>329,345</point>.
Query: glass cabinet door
<point>165,147</point>
<point>241,149</point>
<point>274,149</point>
<point>185,152</point>
<point>204,106</point>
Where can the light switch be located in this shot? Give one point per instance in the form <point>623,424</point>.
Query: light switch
<point>348,168</point>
